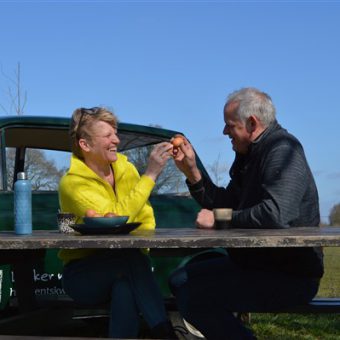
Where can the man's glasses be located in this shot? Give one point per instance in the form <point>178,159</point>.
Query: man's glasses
<point>83,112</point>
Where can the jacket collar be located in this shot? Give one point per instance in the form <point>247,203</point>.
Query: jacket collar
<point>263,137</point>
<point>79,168</point>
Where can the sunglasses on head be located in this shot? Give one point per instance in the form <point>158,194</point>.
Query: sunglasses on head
<point>84,111</point>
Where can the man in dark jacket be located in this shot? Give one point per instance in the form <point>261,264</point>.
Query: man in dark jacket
<point>271,186</point>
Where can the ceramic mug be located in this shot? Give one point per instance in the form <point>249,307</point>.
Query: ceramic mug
<point>64,220</point>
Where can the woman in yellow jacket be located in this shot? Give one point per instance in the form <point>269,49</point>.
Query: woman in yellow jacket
<point>101,179</point>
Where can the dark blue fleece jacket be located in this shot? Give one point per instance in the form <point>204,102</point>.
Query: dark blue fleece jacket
<point>271,186</point>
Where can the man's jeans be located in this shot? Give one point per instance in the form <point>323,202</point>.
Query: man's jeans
<point>124,279</point>
<point>209,291</point>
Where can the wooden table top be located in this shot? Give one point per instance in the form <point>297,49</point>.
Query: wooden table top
<point>178,238</point>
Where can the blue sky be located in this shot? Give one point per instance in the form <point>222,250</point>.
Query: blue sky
<point>172,63</point>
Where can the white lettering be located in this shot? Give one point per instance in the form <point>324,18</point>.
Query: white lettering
<point>50,291</point>
<point>40,276</point>
<point>44,277</point>
<point>36,276</point>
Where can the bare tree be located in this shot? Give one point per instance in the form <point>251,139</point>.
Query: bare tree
<point>218,172</point>
<point>170,180</point>
<point>16,97</point>
<point>43,173</point>
<point>334,217</point>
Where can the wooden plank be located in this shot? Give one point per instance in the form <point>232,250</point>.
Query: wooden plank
<point>317,305</point>
<point>25,337</point>
<point>178,238</point>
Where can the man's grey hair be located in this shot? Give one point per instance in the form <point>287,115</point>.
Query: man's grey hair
<point>253,102</point>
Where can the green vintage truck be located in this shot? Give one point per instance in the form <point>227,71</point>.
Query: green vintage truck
<point>40,146</point>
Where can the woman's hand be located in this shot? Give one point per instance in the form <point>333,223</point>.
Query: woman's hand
<point>205,219</point>
<point>185,160</point>
<point>158,159</point>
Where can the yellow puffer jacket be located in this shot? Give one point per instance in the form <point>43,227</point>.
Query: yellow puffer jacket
<point>81,189</point>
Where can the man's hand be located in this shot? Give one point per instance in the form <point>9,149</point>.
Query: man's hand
<point>185,161</point>
<point>205,219</point>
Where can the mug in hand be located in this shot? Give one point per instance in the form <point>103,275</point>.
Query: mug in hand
<point>222,217</point>
<point>64,220</point>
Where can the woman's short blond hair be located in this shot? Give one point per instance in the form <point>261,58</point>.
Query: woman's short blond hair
<point>81,122</point>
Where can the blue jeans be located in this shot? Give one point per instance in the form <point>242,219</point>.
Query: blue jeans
<point>209,291</point>
<point>124,279</point>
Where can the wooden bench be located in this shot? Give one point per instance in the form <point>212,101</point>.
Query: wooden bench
<point>317,305</point>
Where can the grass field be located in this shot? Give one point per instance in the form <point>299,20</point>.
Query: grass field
<point>305,326</point>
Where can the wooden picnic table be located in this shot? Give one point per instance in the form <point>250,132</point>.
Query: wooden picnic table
<point>175,238</point>
<point>162,241</point>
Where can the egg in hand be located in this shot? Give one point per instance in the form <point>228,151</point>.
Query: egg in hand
<point>176,142</point>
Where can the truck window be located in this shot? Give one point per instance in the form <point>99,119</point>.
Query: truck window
<point>45,168</point>
<point>171,180</point>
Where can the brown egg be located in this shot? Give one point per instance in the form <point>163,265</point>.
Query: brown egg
<point>90,213</point>
<point>110,214</point>
<point>177,141</point>
<point>97,215</point>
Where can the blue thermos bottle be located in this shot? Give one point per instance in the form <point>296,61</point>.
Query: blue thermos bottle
<point>22,205</point>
